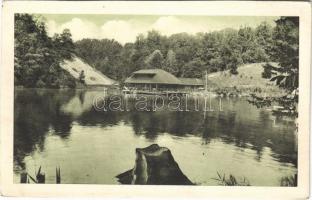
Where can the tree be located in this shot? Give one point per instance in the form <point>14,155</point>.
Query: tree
<point>267,72</point>
<point>193,69</point>
<point>286,74</point>
<point>64,44</point>
<point>233,64</point>
<point>230,52</point>
<point>104,55</point>
<point>209,52</point>
<point>141,51</point>
<point>37,57</point>
<point>155,60</point>
<point>126,65</point>
<point>286,53</point>
<point>170,64</point>
<point>156,41</point>
<point>215,51</point>
<point>264,34</point>
<point>185,47</point>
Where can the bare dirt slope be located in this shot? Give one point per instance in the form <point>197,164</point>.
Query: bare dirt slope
<point>92,76</point>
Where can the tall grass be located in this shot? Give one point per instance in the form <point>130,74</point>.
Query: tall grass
<point>289,181</point>
<point>231,180</point>
<point>40,176</point>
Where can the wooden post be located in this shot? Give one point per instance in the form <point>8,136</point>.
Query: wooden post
<point>58,175</point>
<point>24,177</point>
<point>206,82</point>
<point>220,104</point>
<point>205,108</point>
<point>210,109</point>
<point>40,176</point>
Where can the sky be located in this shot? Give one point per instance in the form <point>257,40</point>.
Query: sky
<point>125,28</point>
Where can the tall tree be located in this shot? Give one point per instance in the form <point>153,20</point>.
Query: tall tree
<point>209,52</point>
<point>194,69</point>
<point>264,38</point>
<point>104,55</point>
<point>286,74</point>
<point>155,60</point>
<point>185,47</point>
<point>170,64</point>
<point>64,44</point>
<point>37,56</point>
<point>286,53</point>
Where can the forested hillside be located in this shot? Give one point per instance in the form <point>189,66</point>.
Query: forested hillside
<point>182,54</point>
<point>37,56</point>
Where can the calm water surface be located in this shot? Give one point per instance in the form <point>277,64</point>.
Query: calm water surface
<point>62,128</point>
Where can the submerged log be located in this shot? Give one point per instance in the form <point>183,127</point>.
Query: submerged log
<point>154,165</point>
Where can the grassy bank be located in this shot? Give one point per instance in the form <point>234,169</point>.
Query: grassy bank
<point>248,81</point>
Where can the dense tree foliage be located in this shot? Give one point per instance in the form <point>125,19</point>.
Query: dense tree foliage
<point>37,56</point>
<point>182,54</point>
<point>104,55</point>
<point>170,64</point>
<point>155,60</point>
<point>285,51</point>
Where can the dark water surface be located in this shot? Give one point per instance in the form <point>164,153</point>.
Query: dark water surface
<point>62,128</point>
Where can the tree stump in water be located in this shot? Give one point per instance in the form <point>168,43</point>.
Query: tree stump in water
<point>154,165</point>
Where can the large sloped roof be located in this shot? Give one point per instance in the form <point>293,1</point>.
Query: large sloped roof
<point>92,76</point>
<point>153,76</point>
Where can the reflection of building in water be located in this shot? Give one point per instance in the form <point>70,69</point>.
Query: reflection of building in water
<point>44,117</point>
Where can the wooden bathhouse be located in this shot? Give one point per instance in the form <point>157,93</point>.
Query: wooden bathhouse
<point>160,80</point>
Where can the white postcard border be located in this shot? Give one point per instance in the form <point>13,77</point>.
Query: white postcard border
<point>223,8</point>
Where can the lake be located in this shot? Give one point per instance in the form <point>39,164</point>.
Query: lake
<point>63,128</point>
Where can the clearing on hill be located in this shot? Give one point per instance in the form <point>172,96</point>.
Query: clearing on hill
<point>249,76</point>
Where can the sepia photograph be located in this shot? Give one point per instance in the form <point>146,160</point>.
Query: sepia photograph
<point>156,99</point>
<point>205,93</point>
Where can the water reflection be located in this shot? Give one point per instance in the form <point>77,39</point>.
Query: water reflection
<point>41,113</point>
<point>35,112</point>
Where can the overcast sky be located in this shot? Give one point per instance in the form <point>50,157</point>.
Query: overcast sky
<point>125,28</point>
